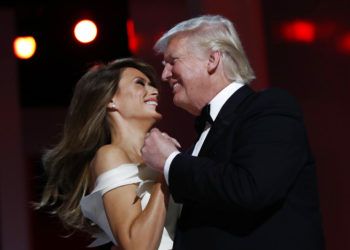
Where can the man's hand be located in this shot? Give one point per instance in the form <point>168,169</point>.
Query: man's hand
<point>157,148</point>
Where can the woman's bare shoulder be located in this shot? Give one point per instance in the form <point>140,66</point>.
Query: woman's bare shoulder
<point>108,157</point>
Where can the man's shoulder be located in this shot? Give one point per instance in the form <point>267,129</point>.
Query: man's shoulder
<point>273,99</point>
<point>275,94</point>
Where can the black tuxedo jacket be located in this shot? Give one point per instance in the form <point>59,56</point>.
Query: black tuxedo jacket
<point>253,185</point>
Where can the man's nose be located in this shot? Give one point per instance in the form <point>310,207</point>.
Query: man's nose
<point>166,74</point>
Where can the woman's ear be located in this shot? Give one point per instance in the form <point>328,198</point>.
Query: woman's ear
<point>112,106</point>
<point>213,62</point>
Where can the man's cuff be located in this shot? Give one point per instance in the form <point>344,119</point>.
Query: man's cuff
<point>167,165</point>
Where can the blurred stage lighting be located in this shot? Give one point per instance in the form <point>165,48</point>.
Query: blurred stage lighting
<point>344,44</point>
<point>24,47</point>
<point>299,31</point>
<point>85,31</point>
<point>49,77</point>
<point>133,42</point>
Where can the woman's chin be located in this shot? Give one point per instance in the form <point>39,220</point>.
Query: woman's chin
<point>154,118</point>
<point>158,116</point>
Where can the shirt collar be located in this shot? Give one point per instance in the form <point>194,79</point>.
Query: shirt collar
<point>219,100</point>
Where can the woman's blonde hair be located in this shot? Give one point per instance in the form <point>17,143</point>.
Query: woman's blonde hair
<point>85,130</point>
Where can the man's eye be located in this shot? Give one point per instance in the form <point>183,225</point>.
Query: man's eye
<point>173,61</point>
<point>170,61</point>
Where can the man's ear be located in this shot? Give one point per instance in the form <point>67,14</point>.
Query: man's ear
<point>214,60</point>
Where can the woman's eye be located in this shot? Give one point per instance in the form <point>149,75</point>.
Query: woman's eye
<point>140,82</point>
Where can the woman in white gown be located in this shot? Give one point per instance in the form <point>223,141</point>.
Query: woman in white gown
<point>96,180</point>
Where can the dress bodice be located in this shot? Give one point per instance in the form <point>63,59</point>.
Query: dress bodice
<point>93,209</point>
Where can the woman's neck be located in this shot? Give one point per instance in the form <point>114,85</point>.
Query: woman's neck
<point>129,137</point>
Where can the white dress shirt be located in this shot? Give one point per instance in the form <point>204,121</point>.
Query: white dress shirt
<point>215,106</point>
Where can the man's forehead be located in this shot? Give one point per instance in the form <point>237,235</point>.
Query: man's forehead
<point>174,46</point>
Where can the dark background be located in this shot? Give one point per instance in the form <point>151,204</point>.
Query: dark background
<point>316,73</point>
<point>47,79</point>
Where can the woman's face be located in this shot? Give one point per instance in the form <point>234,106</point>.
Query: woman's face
<point>136,97</point>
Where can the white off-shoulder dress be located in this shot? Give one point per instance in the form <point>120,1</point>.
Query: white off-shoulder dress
<point>93,209</point>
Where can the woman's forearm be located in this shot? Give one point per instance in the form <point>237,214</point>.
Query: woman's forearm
<point>146,230</point>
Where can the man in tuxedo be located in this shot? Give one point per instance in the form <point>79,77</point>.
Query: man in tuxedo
<point>249,181</point>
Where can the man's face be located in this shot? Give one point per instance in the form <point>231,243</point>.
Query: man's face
<point>185,69</point>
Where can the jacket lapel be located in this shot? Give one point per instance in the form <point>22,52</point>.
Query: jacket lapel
<point>225,118</point>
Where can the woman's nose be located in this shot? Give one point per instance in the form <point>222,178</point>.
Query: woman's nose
<point>152,90</point>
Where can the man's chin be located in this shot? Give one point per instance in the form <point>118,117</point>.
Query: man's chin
<point>184,106</point>
<point>178,102</point>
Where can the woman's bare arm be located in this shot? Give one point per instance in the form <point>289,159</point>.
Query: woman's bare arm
<point>132,227</point>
